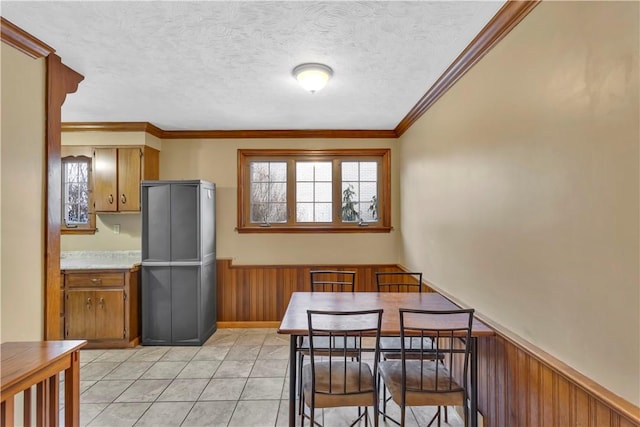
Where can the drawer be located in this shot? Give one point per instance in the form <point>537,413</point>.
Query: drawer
<point>94,279</point>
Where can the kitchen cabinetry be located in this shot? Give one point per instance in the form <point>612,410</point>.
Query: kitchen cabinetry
<point>103,307</point>
<point>117,173</point>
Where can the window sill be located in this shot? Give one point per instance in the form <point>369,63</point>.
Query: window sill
<point>77,230</point>
<point>283,229</point>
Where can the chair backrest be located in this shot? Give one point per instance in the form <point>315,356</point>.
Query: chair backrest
<point>332,281</point>
<point>399,281</point>
<point>447,361</point>
<point>329,331</point>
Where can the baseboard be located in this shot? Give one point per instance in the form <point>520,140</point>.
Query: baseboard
<point>244,324</point>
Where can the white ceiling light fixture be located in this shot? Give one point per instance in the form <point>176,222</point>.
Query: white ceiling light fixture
<point>312,76</point>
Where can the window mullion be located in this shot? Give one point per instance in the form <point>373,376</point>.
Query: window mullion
<point>337,193</point>
<point>291,192</point>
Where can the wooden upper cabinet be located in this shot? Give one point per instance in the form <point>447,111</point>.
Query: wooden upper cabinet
<point>129,176</point>
<point>117,175</point>
<point>105,179</point>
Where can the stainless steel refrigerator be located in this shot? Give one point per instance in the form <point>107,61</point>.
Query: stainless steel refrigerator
<point>178,301</point>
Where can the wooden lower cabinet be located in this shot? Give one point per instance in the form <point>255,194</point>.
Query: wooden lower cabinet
<point>103,307</point>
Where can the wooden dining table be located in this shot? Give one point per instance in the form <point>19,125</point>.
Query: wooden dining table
<point>294,323</point>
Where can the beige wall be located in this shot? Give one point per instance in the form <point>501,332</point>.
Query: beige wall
<point>105,239</point>
<point>528,206</point>
<point>22,189</point>
<point>216,161</point>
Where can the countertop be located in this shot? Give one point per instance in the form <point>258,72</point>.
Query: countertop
<point>98,260</point>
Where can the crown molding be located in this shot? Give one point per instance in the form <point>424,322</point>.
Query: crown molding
<point>283,133</point>
<point>15,36</point>
<point>504,21</point>
<point>112,127</point>
<point>223,134</point>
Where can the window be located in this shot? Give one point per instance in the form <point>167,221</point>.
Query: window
<point>77,212</point>
<point>314,190</point>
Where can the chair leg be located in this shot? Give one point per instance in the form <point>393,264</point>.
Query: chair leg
<point>376,414</point>
<point>300,361</point>
<point>435,416</point>
<point>446,414</point>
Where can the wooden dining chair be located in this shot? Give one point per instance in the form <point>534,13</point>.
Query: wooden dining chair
<point>390,348</point>
<point>398,281</point>
<point>332,281</point>
<point>334,378</point>
<point>415,380</point>
<point>326,281</point>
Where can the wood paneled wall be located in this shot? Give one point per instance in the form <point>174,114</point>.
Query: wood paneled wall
<point>258,293</point>
<point>517,387</point>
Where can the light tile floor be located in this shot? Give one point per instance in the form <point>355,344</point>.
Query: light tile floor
<point>238,378</point>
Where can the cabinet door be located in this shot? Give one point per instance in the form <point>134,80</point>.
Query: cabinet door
<point>129,173</point>
<point>156,305</point>
<point>109,312</point>
<point>156,222</point>
<point>185,218</point>
<point>185,310</point>
<point>80,315</point>
<point>105,179</point>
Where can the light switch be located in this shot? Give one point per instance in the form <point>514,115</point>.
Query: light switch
<point>116,229</point>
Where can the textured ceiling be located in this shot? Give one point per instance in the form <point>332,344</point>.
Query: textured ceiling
<point>227,65</point>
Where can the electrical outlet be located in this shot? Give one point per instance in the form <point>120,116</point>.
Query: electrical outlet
<point>116,229</point>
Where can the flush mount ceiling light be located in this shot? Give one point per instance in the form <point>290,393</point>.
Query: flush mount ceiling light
<point>312,77</point>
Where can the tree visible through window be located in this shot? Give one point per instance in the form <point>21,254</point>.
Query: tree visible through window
<point>268,192</point>
<point>319,190</point>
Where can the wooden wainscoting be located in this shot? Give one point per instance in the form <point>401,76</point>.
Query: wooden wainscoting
<point>525,387</point>
<point>257,295</point>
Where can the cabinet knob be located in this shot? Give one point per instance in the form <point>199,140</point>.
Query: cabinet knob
<point>123,199</point>
<point>88,304</point>
<point>101,302</point>
<point>96,280</point>
<point>110,199</point>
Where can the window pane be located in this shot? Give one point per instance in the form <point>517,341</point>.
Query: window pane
<point>323,212</point>
<point>278,171</point>
<point>359,191</point>
<point>349,202</point>
<point>304,192</point>
<point>367,191</point>
<point>349,171</point>
<point>304,171</point>
<point>259,212</point>
<point>278,212</point>
<point>259,193</point>
<point>313,191</point>
<point>368,171</point>
<point>323,171</point>
<point>278,192</point>
<point>76,191</point>
<point>323,192</point>
<point>304,212</point>
<point>268,199</point>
